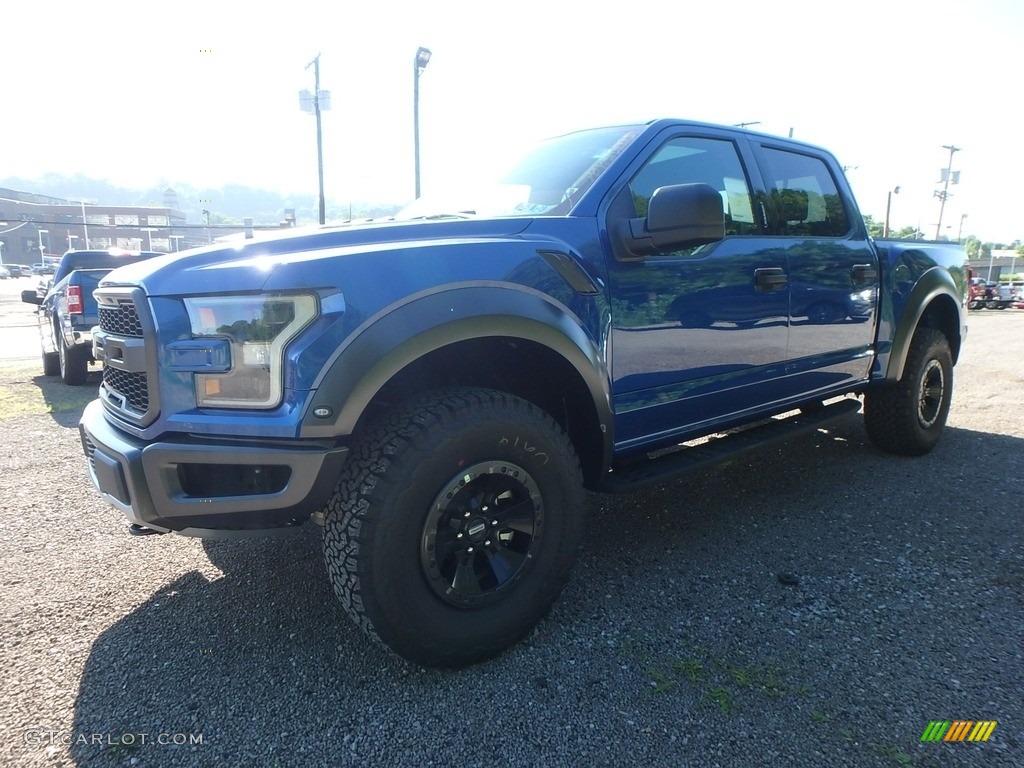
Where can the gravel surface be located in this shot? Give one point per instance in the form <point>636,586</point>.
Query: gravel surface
<point>814,604</point>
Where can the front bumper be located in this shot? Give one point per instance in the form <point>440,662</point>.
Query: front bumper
<point>264,485</point>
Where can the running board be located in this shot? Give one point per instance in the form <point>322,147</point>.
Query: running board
<point>645,472</point>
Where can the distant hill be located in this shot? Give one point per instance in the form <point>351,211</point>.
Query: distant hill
<point>229,204</point>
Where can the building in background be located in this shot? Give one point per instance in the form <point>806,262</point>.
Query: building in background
<point>32,226</point>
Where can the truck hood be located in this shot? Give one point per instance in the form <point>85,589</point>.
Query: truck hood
<point>251,265</point>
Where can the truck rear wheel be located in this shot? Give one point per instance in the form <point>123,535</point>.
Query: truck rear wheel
<point>73,362</point>
<point>51,364</point>
<point>454,525</point>
<point>907,417</point>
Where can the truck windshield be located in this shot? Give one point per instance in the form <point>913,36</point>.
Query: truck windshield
<point>547,180</point>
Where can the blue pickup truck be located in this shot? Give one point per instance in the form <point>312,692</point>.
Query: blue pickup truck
<point>67,311</point>
<point>622,306</point>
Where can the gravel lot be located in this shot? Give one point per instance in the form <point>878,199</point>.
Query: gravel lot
<point>675,642</point>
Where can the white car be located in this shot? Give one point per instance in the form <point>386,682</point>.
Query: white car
<point>4,272</point>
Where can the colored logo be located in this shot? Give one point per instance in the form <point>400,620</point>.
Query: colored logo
<point>959,730</point>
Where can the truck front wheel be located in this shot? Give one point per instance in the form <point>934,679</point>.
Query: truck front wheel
<point>907,417</point>
<point>454,525</point>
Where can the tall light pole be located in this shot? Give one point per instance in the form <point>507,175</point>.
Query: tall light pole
<point>41,233</point>
<point>960,232</point>
<point>176,238</point>
<point>947,176</point>
<point>149,231</point>
<point>888,207</point>
<point>419,64</point>
<point>312,103</point>
<point>85,224</point>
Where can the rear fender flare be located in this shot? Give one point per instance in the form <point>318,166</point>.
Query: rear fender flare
<point>931,286</point>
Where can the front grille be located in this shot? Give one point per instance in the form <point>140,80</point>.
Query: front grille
<point>128,347</point>
<point>133,387</point>
<point>121,319</point>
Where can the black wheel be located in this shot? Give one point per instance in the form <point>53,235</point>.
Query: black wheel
<point>454,525</point>
<point>51,364</point>
<point>975,304</point>
<point>907,417</point>
<point>74,364</point>
<point>825,313</point>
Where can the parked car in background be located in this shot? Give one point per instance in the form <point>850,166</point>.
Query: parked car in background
<point>68,311</point>
<point>988,295</point>
<point>4,272</point>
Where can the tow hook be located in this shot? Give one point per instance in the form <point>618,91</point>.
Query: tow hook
<point>140,530</point>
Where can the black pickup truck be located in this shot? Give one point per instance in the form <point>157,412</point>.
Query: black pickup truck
<point>624,305</point>
<point>68,312</point>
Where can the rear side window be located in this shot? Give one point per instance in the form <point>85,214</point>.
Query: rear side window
<point>804,195</point>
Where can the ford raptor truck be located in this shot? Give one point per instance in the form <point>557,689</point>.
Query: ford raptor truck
<point>618,307</point>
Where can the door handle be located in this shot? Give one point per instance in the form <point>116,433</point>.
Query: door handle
<point>864,274</point>
<point>770,279</point>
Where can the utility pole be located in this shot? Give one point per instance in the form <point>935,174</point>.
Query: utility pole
<point>315,63</point>
<point>315,103</point>
<point>947,175</point>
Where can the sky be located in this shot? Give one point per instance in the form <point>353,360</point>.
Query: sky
<point>206,93</point>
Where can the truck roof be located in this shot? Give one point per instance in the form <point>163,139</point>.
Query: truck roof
<point>98,259</point>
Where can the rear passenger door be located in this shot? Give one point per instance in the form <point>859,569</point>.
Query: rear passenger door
<point>833,269</point>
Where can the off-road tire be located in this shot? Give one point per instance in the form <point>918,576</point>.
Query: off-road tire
<point>907,417</point>
<point>73,363</point>
<point>51,364</point>
<point>400,499</point>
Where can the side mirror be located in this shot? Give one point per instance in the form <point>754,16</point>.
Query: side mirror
<point>678,216</point>
<point>31,297</point>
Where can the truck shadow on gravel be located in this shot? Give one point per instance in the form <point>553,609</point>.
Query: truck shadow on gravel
<point>877,551</point>
<point>66,403</point>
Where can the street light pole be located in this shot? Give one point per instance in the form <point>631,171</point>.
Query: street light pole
<point>945,189</point>
<point>960,232</point>
<point>419,64</point>
<point>42,232</point>
<point>888,207</point>
<point>85,225</point>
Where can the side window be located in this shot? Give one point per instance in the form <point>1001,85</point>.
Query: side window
<point>805,195</point>
<point>689,160</point>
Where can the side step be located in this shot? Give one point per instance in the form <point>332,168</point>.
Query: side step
<point>642,473</point>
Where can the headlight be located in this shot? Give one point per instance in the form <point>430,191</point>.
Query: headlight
<point>257,329</point>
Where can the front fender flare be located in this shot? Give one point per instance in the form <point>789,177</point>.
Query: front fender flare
<point>400,334</point>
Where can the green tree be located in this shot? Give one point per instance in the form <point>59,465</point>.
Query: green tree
<point>907,233</point>
<point>875,228</point>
